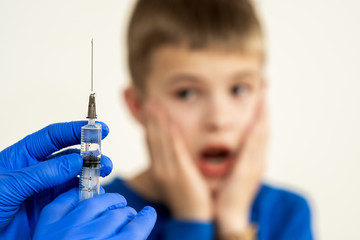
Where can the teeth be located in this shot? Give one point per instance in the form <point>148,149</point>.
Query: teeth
<point>214,159</point>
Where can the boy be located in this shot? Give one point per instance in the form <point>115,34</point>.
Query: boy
<point>198,90</point>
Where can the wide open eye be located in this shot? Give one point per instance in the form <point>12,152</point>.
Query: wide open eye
<point>239,89</point>
<point>186,94</point>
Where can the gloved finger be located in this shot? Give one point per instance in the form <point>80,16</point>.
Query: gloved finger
<point>63,203</point>
<point>44,175</point>
<point>91,208</point>
<point>55,137</point>
<point>106,164</point>
<point>110,222</point>
<point>59,207</point>
<point>72,183</point>
<point>140,227</point>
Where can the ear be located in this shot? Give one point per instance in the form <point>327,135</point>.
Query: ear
<point>135,103</point>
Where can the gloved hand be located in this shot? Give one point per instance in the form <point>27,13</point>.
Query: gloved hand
<point>102,217</point>
<point>24,171</point>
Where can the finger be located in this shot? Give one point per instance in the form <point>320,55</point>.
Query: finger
<point>174,145</point>
<point>59,207</point>
<point>168,158</point>
<point>258,136</point>
<point>179,147</point>
<point>175,151</point>
<point>140,227</point>
<point>91,208</point>
<point>45,175</point>
<point>256,117</point>
<point>110,222</point>
<point>106,164</point>
<point>263,133</point>
<point>56,191</point>
<point>55,137</point>
<point>252,153</point>
<point>154,141</point>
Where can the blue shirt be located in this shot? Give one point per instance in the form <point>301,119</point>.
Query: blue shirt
<point>277,213</point>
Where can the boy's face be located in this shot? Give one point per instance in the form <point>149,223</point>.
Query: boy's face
<point>212,96</point>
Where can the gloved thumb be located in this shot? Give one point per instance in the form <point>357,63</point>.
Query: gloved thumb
<point>140,227</point>
<point>46,174</point>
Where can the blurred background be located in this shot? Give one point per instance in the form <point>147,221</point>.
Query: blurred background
<point>313,61</point>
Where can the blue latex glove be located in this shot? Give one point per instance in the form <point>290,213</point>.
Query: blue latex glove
<point>102,217</point>
<point>24,171</point>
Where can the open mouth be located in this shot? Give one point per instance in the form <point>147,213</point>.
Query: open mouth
<point>215,155</point>
<point>215,161</point>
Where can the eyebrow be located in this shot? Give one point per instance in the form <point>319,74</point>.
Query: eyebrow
<point>190,78</point>
<point>182,77</point>
<point>245,74</point>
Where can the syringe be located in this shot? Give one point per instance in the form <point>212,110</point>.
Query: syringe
<point>90,148</point>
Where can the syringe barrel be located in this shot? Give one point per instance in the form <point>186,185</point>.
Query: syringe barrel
<point>89,185</point>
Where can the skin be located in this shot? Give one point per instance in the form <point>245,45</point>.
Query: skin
<point>194,99</point>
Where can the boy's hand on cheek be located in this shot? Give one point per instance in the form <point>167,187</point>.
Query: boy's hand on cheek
<point>234,200</point>
<point>182,187</point>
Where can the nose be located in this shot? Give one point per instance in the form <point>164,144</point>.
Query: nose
<point>217,114</point>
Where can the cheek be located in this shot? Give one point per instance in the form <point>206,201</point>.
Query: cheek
<point>244,115</point>
<point>186,119</point>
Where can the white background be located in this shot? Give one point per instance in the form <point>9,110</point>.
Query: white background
<point>313,62</point>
